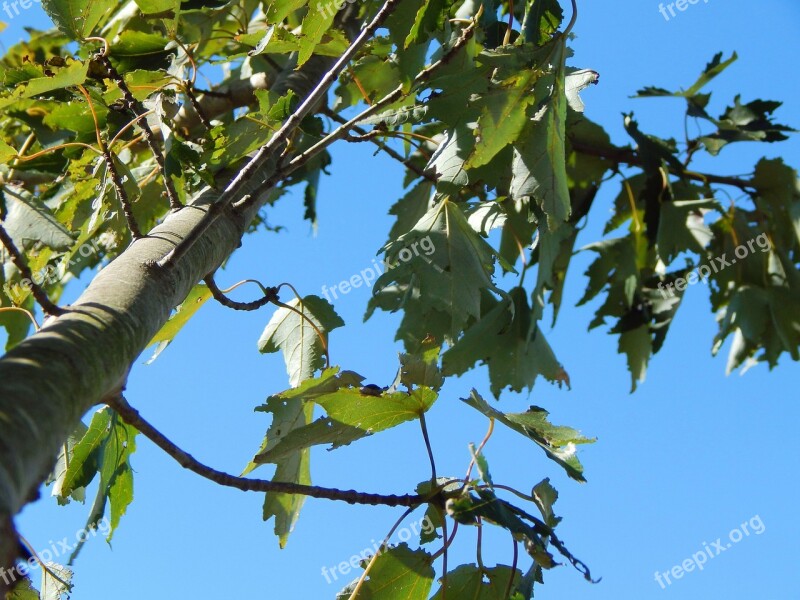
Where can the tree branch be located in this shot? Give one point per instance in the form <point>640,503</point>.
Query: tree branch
<point>271,295</point>
<point>135,107</point>
<point>393,96</point>
<point>132,417</point>
<point>381,145</point>
<point>628,156</point>
<point>48,306</point>
<point>277,142</point>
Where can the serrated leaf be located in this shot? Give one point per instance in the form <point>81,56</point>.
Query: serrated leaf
<point>510,342</point>
<point>315,24</point>
<point>451,265</point>
<point>352,415</point>
<point>398,573</point>
<point>559,443</point>
<point>502,118</point>
<point>296,337</point>
<point>77,18</point>
<point>541,21</point>
<point>469,581</point>
<point>539,163</point>
<point>636,345</point>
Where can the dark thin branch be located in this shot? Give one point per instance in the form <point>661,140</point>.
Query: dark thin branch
<point>219,296</point>
<point>281,137</point>
<point>122,195</point>
<point>399,92</point>
<point>381,145</point>
<point>135,107</point>
<point>628,156</point>
<point>38,292</point>
<point>201,114</point>
<point>132,417</point>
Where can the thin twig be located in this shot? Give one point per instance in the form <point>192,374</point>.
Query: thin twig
<point>48,306</point>
<point>513,568</point>
<point>382,146</point>
<point>480,448</point>
<point>116,180</point>
<point>270,295</point>
<point>187,88</point>
<point>280,137</point>
<point>135,107</point>
<point>627,156</point>
<point>342,131</point>
<point>132,417</point>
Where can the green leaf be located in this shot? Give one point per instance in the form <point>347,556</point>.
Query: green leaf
<point>398,573</point>
<point>430,17</point>
<point>713,68</point>
<point>502,118</point>
<point>78,18</point>
<point>469,581</point>
<point>352,415</point>
<point>199,295</point>
<point>7,153</point>
<point>539,164</point>
<point>66,458</point>
<point>85,459</point>
<point>681,227</point>
<point>509,341</point>
<point>637,346</point>
<point>291,410</point>
<point>315,24</point>
<point>24,590</point>
<point>542,18</point>
<point>559,443</point>
<point>105,449</point>
<point>420,369</point>
<point>447,259</point>
<point>448,161</point>
<point>299,340</point>
<point>545,496</point>
<point>29,223</point>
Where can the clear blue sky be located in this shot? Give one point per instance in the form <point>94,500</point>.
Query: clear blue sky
<point>688,458</point>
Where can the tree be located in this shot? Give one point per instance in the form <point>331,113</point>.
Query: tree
<point>114,156</point>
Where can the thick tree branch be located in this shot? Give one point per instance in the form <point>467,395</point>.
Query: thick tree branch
<point>132,417</point>
<point>87,352</point>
